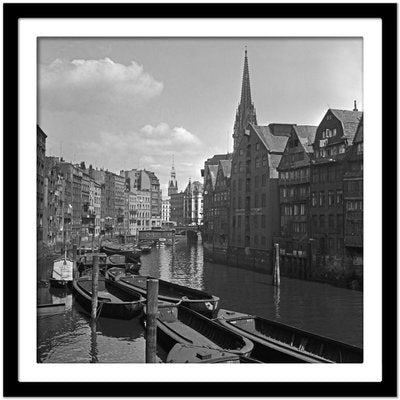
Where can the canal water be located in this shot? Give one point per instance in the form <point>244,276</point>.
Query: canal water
<point>320,308</point>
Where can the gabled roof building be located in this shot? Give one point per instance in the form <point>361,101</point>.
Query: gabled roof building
<point>354,203</point>
<point>334,136</point>
<point>294,194</point>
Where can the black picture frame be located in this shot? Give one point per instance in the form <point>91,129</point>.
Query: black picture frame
<point>12,12</point>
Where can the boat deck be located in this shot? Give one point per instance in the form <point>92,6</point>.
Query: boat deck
<point>189,334</point>
<point>107,296</point>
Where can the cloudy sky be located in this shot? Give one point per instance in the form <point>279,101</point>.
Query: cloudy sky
<point>134,103</point>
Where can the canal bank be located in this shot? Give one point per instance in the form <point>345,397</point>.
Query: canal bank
<point>290,267</point>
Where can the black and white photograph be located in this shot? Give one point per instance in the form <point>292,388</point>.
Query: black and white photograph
<point>200,200</point>
<point>193,188</point>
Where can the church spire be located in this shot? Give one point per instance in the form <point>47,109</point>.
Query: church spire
<point>172,184</point>
<point>246,112</point>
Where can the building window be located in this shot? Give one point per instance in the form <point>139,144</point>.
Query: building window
<point>339,221</point>
<point>264,180</point>
<point>314,221</point>
<point>256,198</point>
<point>331,198</point>
<point>339,196</point>
<point>264,160</point>
<point>233,221</point>
<point>255,221</point>
<point>240,183</point>
<point>258,146</point>
<point>234,167</point>
<point>241,167</point>
<point>263,220</point>
<point>258,162</point>
<point>240,202</point>
<point>360,148</point>
<point>239,221</point>
<point>263,200</point>
<point>322,222</point>
<point>315,175</point>
<point>302,209</point>
<point>240,152</point>
<point>331,222</point>
<point>313,199</point>
<point>255,240</point>
<point>321,199</point>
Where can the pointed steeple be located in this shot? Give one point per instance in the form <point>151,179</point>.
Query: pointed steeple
<point>246,112</point>
<point>172,184</point>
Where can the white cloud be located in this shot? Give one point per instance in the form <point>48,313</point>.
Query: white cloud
<point>170,136</point>
<point>95,86</point>
<point>150,147</point>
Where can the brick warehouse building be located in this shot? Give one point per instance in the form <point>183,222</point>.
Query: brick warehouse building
<point>294,195</point>
<point>353,204</point>
<point>254,210</point>
<point>334,136</point>
<point>209,174</point>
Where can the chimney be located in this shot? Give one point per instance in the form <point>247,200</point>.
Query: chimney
<point>355,106</point>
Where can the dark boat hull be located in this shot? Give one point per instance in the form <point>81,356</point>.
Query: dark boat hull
<point>177,324</point>
<point>117,310</point>
<point>131,255</point>
<point>278,343</point>
<point>196,300</point>
<point>60,283</point>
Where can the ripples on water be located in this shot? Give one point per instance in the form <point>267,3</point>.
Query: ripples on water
<point>319,308</point>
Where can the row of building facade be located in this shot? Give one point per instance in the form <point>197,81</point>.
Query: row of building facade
<point>297,185</point>
<point>77,201</point>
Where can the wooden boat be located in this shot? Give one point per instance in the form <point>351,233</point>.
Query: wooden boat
<point>145,249</point>
<point>113,303</point>
<point>85,263</point>
<point>179,324</point>
<point>48,309</point>
<point>194,299</point>
<point>275,342</point>
<point>119,260</point>
<point>62,273</point>
<point>130,251</point>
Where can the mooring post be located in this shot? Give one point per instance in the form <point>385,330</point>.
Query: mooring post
<point>151,320</point>
<point>74,266</point>
<point>80,251</point>
<point>277,269</point>
<point>276,279</point>
<point>95,286</point>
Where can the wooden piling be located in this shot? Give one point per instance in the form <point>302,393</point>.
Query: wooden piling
<point>151,320</point>
<point>276,277</point>
<point>95,286</point>
<point>74,255</point>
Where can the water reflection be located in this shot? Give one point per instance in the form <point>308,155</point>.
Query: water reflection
<point>93,342</point>
<point>277,300</point>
